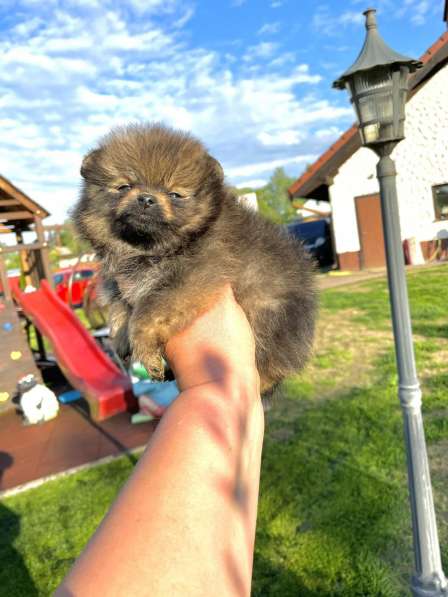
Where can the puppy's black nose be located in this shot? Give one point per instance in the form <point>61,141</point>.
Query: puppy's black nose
<point>146,200</point>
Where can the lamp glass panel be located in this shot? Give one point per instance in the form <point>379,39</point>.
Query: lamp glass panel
<point>370,133</point>
<point>384,107</point>
<point>367,109</point>
<point>373,79</point>
<point>373,89</point>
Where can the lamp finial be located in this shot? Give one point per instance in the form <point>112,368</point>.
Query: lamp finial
<point>370,15</point>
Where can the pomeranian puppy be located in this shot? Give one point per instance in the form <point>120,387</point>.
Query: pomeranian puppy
<point>169,234</point>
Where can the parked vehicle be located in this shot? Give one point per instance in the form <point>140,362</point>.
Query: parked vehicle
<point>70,284</point>
<point>316,239</point>
<point>95,312</point>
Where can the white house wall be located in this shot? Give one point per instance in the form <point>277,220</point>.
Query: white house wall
<point>357,176</point>
<point>421,160</point>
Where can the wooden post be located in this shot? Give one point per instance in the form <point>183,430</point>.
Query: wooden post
<point>40,345</point>
<point>44,251</point>
<point>4,279</point>
<point>24,262</point>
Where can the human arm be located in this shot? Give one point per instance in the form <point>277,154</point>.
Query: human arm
<point>184,524</point>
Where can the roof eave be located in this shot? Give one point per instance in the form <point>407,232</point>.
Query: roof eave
<point>23,198</point>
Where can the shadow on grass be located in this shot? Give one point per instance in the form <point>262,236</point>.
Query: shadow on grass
<point>15,579</point>
<point>430,330</point>
<point>274,579</point>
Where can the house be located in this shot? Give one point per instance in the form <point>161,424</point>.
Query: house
<point>249,200</point>
<point>345,175</point>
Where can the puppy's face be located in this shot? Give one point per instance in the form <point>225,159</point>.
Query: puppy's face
<point>148,186</point>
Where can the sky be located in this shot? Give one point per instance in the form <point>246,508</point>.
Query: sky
<point>250,78</point>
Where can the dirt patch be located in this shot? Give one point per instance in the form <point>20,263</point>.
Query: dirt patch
<point>345,353</point>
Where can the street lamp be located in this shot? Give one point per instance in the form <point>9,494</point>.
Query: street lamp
<point>377,83</point>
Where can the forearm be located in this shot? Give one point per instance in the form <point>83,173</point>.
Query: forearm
<point>185,522</point>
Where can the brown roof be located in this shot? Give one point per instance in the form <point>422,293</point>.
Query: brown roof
<point>329,162</point>
<point>16,208</point>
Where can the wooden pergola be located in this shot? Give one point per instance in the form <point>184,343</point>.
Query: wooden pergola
<point>19,214</point>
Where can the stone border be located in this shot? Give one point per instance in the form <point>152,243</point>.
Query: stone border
<point>75,469</point>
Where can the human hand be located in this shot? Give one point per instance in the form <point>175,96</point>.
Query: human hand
<point>217,346</point>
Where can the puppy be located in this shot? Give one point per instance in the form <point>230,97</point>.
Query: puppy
<point>169,234</point>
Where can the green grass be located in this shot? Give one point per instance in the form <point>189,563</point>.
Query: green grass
<point>333,514</point>
<point>44,529</point>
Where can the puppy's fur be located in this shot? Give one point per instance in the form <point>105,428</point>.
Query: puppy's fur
<point>169,233</point>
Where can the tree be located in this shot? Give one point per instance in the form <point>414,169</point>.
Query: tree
<point>273,199</point>
<point>71,240</point>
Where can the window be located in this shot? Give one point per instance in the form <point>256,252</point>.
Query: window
<point>440,193</point>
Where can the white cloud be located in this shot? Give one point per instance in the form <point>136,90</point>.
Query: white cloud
<point>183,20</point>
<point>420,12</point>
<point>27,27</point>
<point>279,138</point>
<point>283,59</point>
<point>269,28</point>
<point>23,57</point>
<point>251,169</point>
<point>255,183</point>
<point>152,6</point>
<point>68,75</point>
<point>415,11</point>
<point>326,23</point>
<point>264,49</point>
<point>328,133</point>
<point>151,42</point>
<point>350,17</point>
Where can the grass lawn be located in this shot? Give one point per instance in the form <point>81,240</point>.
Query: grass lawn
<point>333,513</point>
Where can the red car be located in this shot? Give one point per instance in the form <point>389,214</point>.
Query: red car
<point>70,284</point>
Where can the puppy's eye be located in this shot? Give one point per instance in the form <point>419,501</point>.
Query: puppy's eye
<point>124,188</point>
<point>174,196</point>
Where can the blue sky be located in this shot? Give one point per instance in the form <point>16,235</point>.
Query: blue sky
<point>251,78</point>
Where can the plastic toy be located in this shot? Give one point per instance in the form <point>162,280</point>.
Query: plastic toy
<point>107,389</point>
<point>70,396</point>
<point>37,402</point>
<point>162,393</point>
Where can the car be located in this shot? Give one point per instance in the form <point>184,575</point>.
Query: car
<point>70,283</point>
<point>316,239</point>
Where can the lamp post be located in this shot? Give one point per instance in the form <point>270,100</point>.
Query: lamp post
<point>377,83</point>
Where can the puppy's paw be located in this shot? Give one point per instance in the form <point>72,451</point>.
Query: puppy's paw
<point>152,360</point>
<point>155,368</point>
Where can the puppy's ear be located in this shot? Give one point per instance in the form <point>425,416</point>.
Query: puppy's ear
<point>90,163</point>
<point>216,168</point>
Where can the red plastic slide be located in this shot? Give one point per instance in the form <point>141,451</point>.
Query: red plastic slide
<point>107,389</point>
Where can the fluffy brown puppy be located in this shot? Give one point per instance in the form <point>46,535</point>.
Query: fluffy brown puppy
<point>169,234</point>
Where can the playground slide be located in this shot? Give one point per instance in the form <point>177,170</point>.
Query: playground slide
<point>107,389</point>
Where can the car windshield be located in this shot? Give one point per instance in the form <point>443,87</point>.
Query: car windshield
<point>83,275</point>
